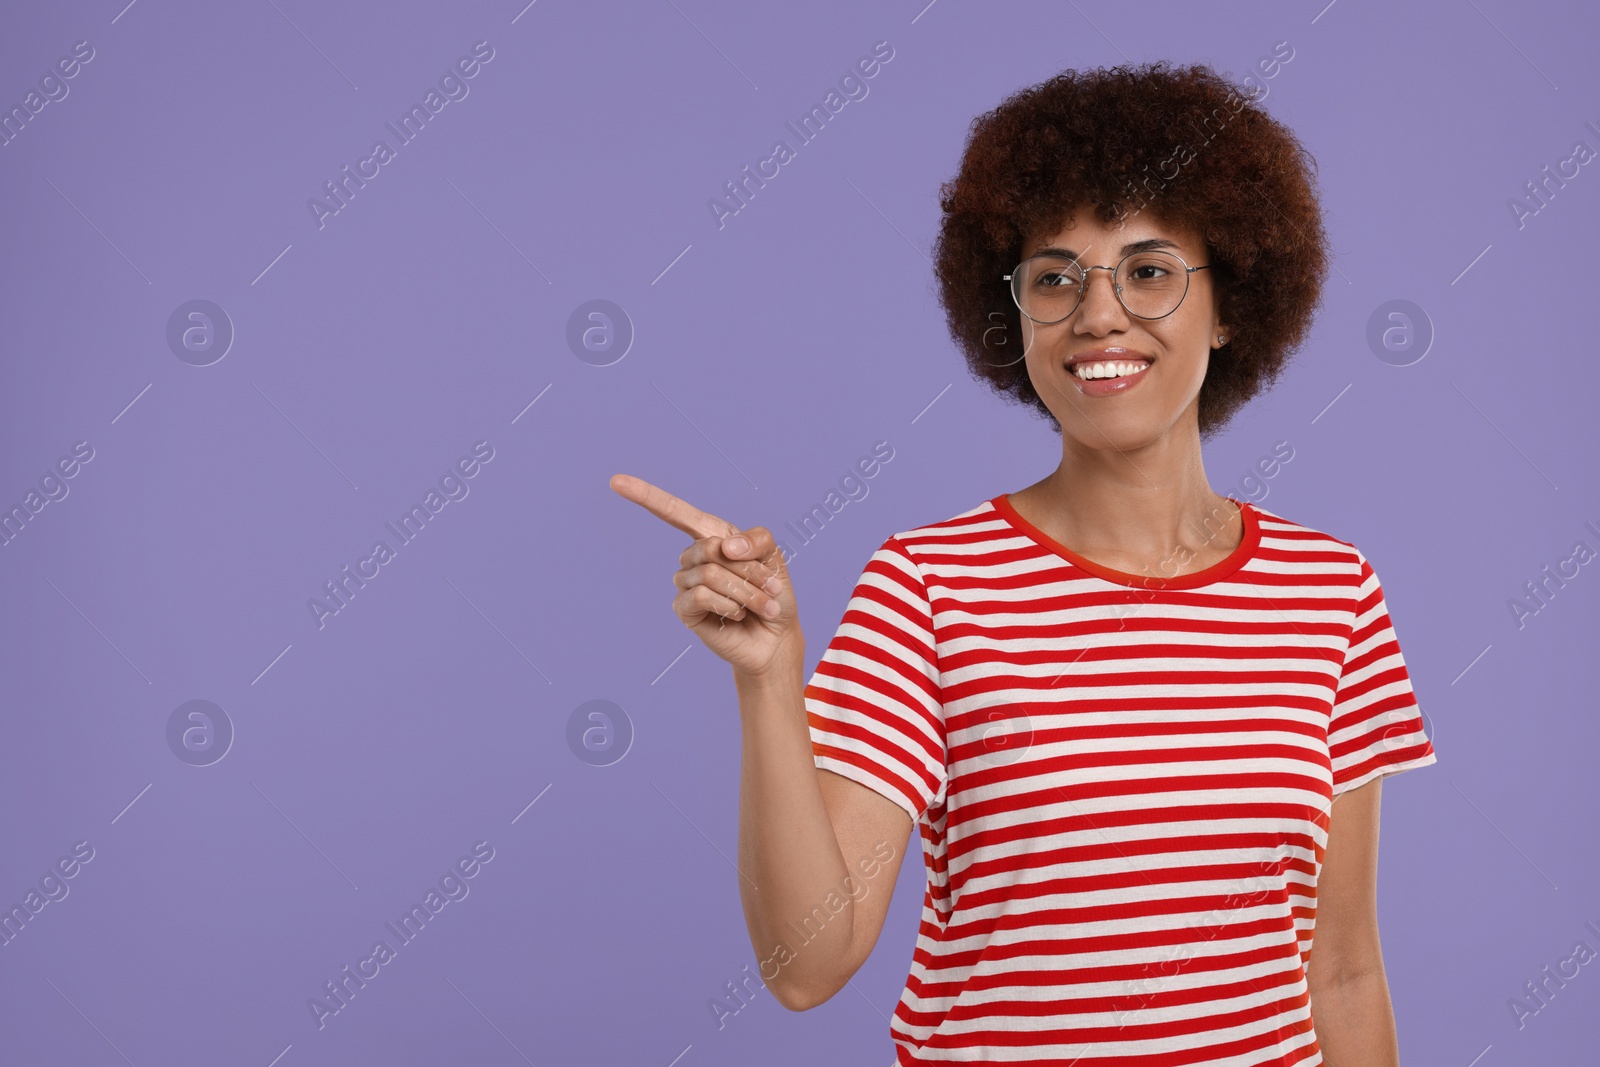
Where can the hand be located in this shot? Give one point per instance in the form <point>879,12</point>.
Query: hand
<point>724,596</point>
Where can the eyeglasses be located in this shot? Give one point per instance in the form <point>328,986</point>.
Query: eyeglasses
<point>1149,285</point>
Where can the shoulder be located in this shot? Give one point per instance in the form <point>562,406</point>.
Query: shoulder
<point>970,534</point>
<point>1299,546</point>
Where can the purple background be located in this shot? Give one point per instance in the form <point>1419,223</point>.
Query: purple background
<point>768,355</point>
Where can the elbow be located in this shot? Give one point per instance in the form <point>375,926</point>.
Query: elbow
<point>794,1000</point>
<point>799,998</point>
<point>801,990</point>
<point>1333,974</point>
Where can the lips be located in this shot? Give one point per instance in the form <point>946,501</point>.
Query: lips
<point>1109,386</point>
<point>1101,354</point>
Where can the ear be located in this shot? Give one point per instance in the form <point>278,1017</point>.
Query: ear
<point>1222,332</point>
<point>1219,328</point>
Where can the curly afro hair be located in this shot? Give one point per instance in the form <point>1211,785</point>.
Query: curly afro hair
<point>1183,143</point>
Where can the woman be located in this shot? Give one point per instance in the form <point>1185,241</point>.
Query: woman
<point>1139,726</point>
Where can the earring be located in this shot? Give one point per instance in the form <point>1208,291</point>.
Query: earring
<point>1221,340</point>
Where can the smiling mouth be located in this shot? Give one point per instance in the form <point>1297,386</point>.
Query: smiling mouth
<point>1107,369</point>
<point>1108,377</point>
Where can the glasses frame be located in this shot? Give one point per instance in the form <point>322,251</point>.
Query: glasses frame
<point>1083,285</point>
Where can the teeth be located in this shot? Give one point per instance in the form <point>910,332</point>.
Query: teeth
<point>1108,368</point>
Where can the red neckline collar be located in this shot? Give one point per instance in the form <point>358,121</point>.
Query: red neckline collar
<point>1219,570</point>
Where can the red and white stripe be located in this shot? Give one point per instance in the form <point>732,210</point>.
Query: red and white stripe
<point>1122,792</point>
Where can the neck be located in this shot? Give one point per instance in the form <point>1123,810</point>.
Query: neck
<point>1148,502</point>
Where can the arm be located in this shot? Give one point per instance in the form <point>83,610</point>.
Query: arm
<point>812,844</point>
<point>807,838</point>
<point>1350,1006</point>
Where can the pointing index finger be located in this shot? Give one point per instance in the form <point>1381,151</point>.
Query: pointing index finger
<point>670,509</point>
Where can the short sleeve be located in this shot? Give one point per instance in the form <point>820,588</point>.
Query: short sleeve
<point>1376,727</point>
<point>873,704</point>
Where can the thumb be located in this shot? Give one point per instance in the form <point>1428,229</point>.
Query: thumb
<point>750,551</point>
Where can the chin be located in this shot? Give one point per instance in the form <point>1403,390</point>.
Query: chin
<point>1125,432</point>
<point>1110,438</point>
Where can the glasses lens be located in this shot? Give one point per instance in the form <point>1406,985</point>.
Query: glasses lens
<point>1152,283</point>
<point>1047,288</point>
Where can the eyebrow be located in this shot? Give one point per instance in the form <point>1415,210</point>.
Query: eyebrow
<point>1146,245</point>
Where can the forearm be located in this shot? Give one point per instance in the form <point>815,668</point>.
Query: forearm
<point>787,845</point>
<point>1354,1021</point>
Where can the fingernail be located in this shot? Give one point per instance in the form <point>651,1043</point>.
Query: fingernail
<point>773,586</point>
<point>736,544</point>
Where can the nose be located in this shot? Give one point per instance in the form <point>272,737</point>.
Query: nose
<point>1100,311</point>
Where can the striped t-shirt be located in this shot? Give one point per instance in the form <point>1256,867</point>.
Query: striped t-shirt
<point>1122,783</point>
